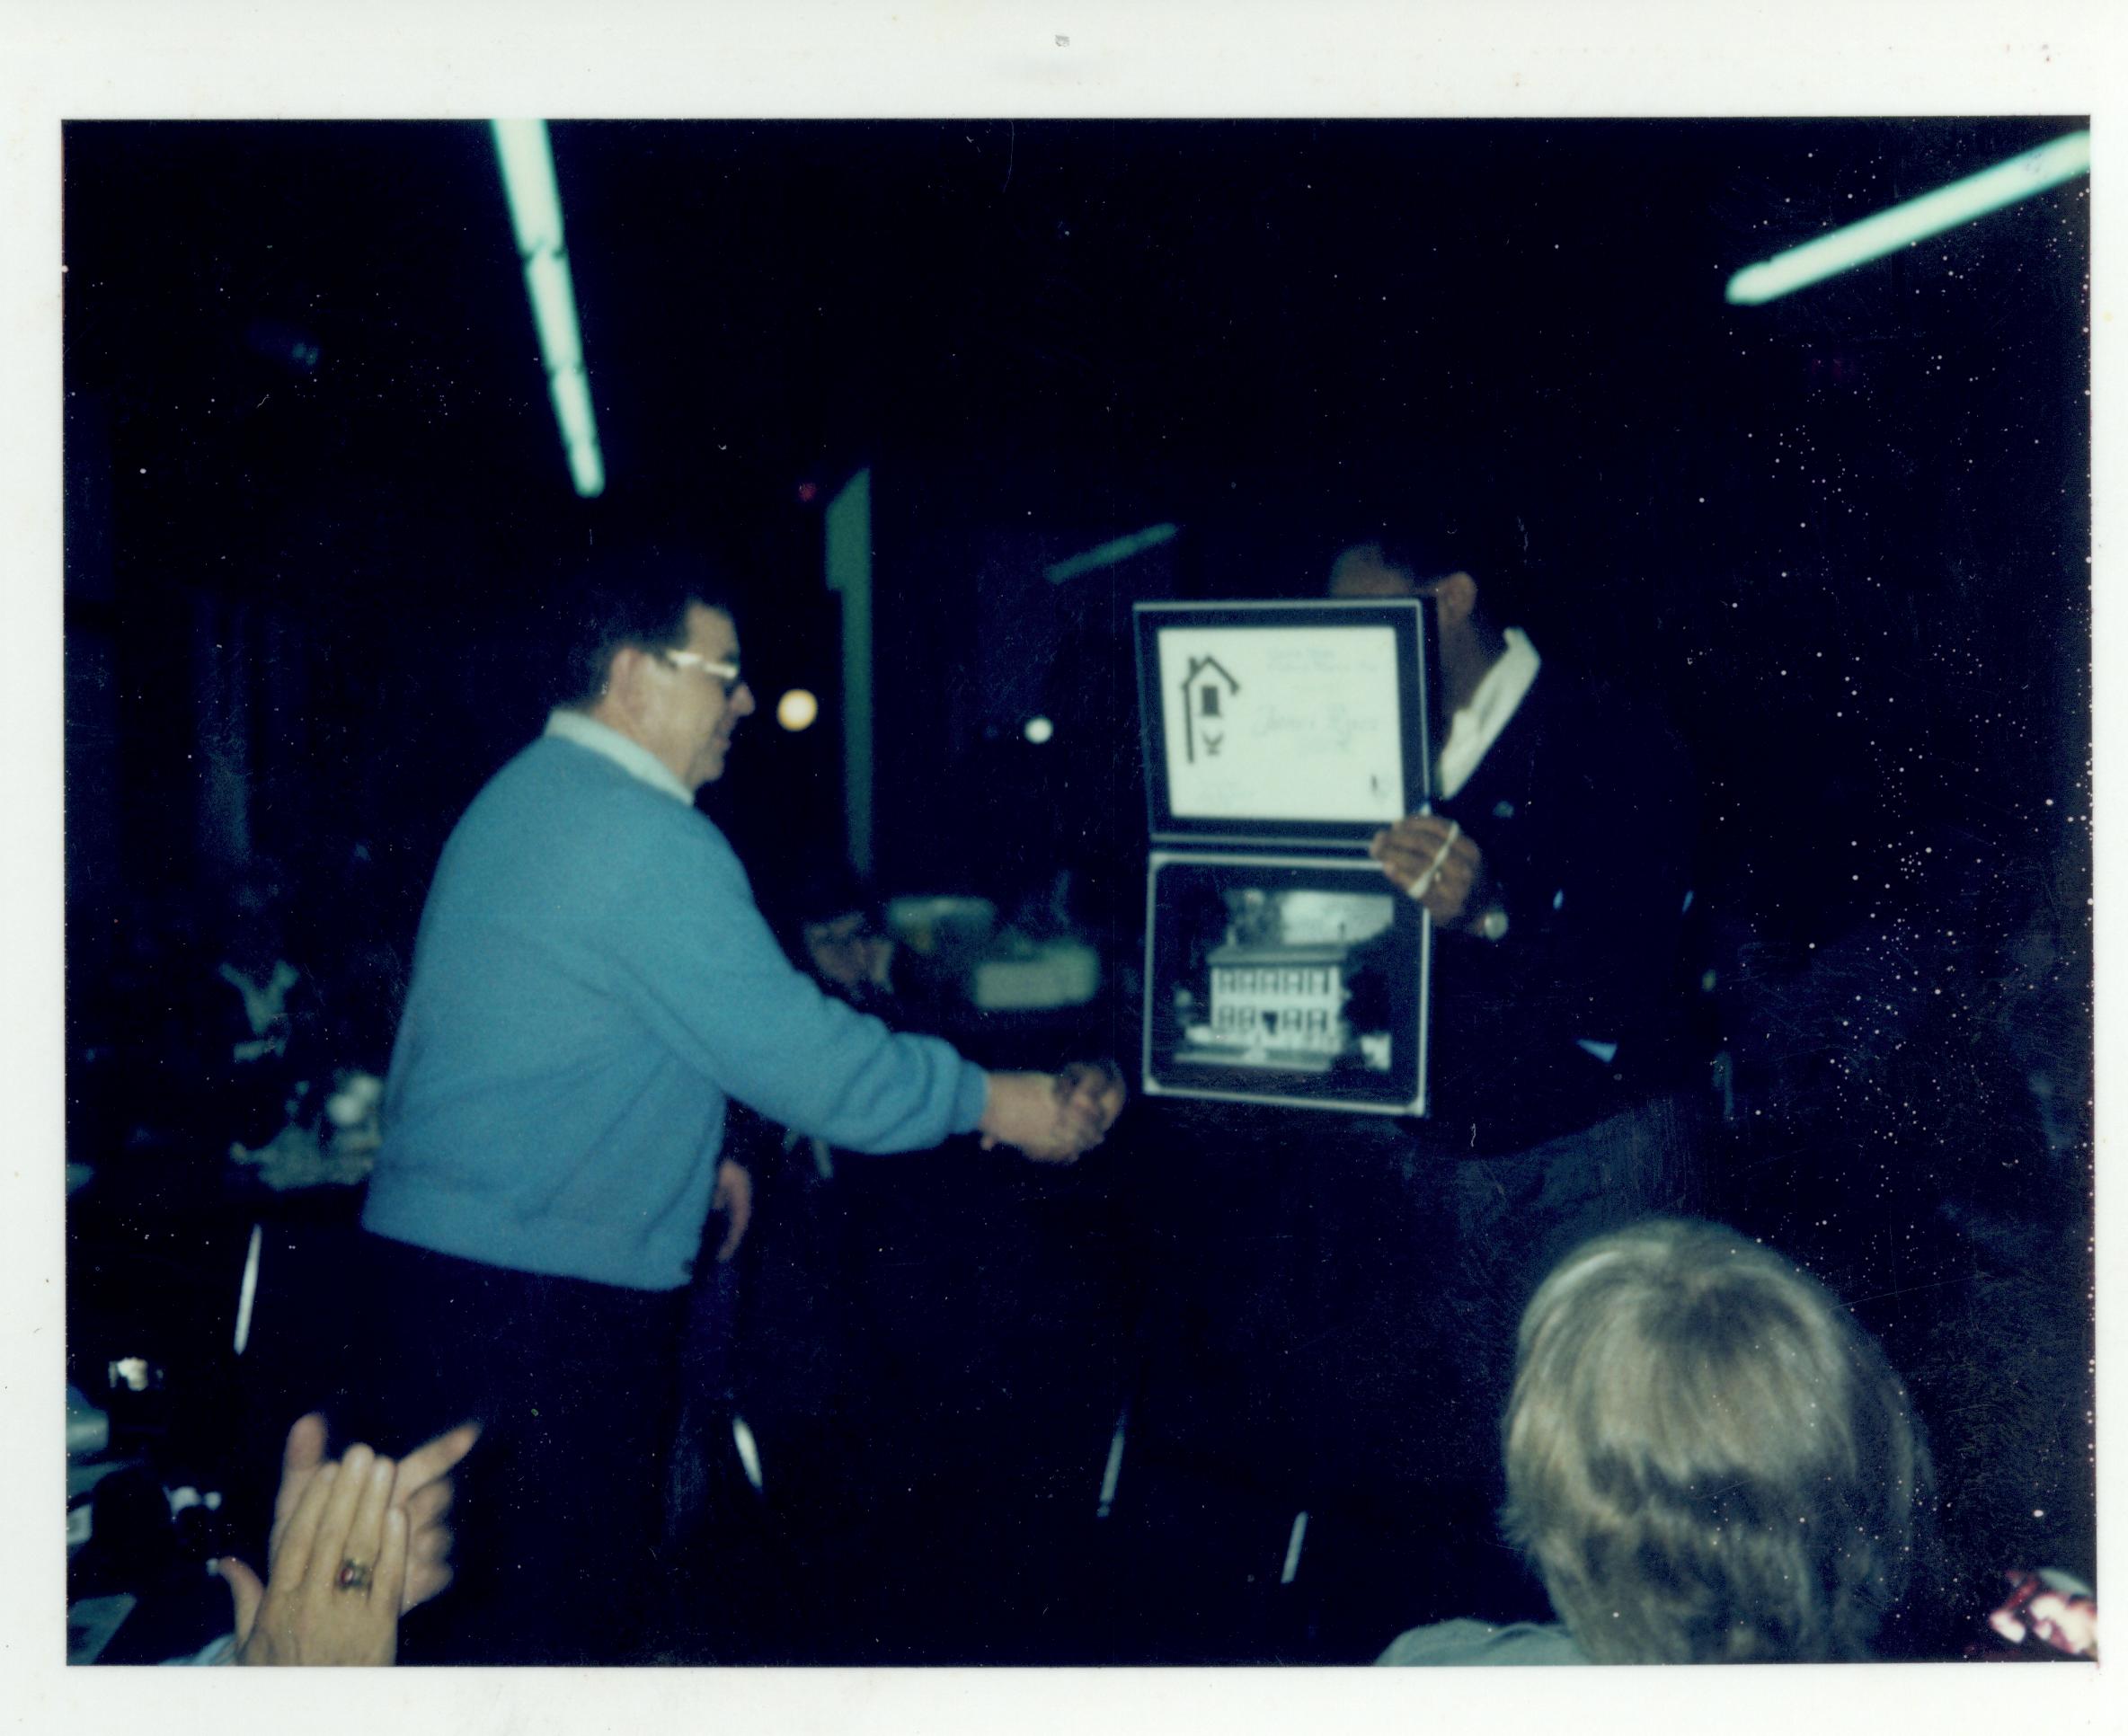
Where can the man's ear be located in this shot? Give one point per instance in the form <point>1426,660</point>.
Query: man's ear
<point>624,680</point>
<point>1456,598</point>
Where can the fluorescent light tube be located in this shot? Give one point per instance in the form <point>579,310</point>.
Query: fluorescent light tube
<point>571,393</point>
<point>527,158</point>
<point>2032,171</point>
<point>528,184</point>
<point>553,312</point>
<point>1108,554</point>
<point>587,470</point>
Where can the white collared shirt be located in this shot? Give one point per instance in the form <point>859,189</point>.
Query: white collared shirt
<point>631,756</point>
<point>1474,730</point>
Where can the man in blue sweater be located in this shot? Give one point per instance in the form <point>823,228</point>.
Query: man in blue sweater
<point>593,984</point>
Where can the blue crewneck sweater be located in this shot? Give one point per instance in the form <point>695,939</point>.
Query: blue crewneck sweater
<point>591,983</point>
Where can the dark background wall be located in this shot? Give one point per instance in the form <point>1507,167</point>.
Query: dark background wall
<point>1845,534</point>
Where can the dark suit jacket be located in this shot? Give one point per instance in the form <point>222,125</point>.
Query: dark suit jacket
<point>1585,811</point>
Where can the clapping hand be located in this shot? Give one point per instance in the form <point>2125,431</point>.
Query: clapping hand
<point>336,1573</point>
<point>421,1492</point>
<point>423,1486</point>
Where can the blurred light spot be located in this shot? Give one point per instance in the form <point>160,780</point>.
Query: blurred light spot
<point>797,709</point>
<point>1039,730</point>
<point>1114,1471</point>
<point>1293,1543</point>
<point>750,1453</point>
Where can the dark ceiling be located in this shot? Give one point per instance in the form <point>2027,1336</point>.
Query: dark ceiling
<point>300,364</point>
<point>1148,302</point>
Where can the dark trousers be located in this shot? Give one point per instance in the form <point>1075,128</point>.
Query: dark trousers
<point>1518,1215</point>
<point>558,1507</point>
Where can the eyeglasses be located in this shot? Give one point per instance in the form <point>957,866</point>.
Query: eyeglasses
<point>727,673</point>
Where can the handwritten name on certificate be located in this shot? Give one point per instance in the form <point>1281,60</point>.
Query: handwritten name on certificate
<point>1281,722</point>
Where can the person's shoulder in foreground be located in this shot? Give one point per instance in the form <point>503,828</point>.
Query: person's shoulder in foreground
<point>1462,1641</point>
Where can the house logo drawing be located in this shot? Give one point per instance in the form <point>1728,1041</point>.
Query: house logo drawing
<point>1201,706</point>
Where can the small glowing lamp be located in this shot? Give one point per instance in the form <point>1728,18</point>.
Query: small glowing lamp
<point>796,709</point>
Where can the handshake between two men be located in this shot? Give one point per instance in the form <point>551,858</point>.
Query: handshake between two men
<point>1052,1118</point>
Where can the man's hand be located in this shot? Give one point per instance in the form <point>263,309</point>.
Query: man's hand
<point>1093,1096</point>
<point>734,1198</point>
<point>1435,861</point>
<point>336,1574</point>
<point>1051,1117</point>
<point>421,1488</point>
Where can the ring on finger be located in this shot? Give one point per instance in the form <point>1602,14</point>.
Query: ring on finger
<point>1420,887</point>
<point>354,1576</point>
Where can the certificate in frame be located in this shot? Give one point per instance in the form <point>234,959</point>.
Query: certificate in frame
<point>1269,725</point>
